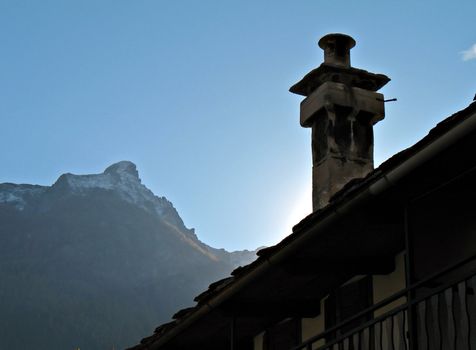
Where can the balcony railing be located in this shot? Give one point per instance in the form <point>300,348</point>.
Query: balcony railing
<point>442,318</point>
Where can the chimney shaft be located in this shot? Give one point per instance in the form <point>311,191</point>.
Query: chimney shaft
<point>341,107</point>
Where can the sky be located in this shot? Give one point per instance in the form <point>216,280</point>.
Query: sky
<point>195,93</point>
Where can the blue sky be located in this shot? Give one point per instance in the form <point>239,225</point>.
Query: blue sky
<point>196,94</point>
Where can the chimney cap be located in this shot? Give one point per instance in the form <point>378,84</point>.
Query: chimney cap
<point>336,48</point>
<point>336,67</point>
<point>338,39</point>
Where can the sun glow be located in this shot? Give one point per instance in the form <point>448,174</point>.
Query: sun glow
<point>301,208</point>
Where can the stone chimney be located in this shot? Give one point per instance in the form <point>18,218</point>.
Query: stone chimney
<point>341,107</point>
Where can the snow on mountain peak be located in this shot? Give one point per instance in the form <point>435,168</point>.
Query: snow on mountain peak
<point>123,178</point>
<point>123,168</point>
<point>18,195</point>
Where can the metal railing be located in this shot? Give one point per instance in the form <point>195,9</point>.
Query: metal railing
<point>440,319</point>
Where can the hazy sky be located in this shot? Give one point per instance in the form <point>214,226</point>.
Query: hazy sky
<point>196,94</point>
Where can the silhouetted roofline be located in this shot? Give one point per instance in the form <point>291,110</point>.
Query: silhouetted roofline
<point>443,135</point>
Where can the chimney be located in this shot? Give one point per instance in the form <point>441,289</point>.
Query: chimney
<point>341,107</point>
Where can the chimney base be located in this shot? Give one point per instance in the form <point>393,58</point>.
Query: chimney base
<point>332,174</point>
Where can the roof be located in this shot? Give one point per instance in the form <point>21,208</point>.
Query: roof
<point>223,289</point>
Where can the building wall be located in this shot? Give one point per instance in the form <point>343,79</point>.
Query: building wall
<point>258,341</point>
<point>442,229</point>
<point>313,326</point>
<point>385,286</point>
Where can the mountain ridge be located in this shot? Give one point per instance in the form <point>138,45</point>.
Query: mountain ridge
<point>102,240</point>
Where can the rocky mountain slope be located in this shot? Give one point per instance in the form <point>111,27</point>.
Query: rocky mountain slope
<point>96,262</point>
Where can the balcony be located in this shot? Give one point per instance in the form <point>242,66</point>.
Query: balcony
<point>431,315</point>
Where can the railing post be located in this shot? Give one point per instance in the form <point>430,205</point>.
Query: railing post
<point>412,325</point>
<point>232,333</point>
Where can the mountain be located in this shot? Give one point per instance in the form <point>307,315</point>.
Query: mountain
<point>96,262</point>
